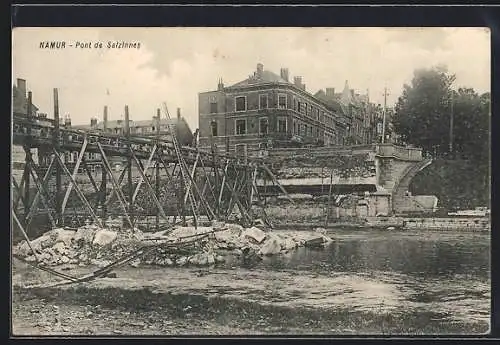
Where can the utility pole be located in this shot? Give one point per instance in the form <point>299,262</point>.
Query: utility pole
<point>384,112</point>
<point>451,123</point>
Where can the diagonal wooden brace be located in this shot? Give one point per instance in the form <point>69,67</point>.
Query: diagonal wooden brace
<point>75,172</point>
<point>148,184</point>
<point>17,189</point>
<point>78,190</point>
<point>41,190</point>
<point>46,179</point>
<point>116,187</point>
<point>146,169</point>
<point>276,182</point>
<point>25,235</point>
<point>121,178</point>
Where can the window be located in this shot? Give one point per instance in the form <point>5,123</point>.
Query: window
<point>305,108</point>
<point>263,125</point>
<point>294,127</point>
<point>281,124</point>
<point>241,127</point>
<point>295,104</point>
<point>262,146</point>
<point>213,127</point>
<point>263,102</point>
<point>282,101</point>
<point>241,103</point>
<point>213,105</point>
<point>213,108</point>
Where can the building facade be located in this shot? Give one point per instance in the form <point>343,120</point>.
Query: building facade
<point>266,110</point>
<point>360,114</point>
<point>20,108</point>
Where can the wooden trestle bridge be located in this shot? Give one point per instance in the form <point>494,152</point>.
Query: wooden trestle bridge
<point>176,181</point>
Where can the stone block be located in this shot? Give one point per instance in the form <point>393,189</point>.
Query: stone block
<point>104,237</point>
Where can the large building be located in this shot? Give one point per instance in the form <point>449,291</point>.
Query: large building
<point>20,108</point>
<point>267,110</point>
<point>356,108</point>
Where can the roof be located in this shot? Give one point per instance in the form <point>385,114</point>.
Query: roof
<point>141,123</point>
<point>265,77</point>
<point>184,134</point>
<point>334,103</point>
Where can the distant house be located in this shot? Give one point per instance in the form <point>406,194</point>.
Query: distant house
<point>20,108</point>
<point>144,128</point>
<point>355,107</point>
<point>20,99</point>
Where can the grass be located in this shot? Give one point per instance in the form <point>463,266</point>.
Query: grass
<point>252,315</point>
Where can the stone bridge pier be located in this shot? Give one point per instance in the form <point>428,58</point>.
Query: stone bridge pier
<point>396,166</point>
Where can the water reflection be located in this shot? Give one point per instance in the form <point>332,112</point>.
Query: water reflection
<point>446,273</point>
<point>425,256</point>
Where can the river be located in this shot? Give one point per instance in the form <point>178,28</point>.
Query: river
<point>447,274</point>
<point>364,282</point>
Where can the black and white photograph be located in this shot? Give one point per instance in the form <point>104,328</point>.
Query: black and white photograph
<point>250,181</point>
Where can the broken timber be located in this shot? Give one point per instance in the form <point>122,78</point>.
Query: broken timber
<point>212,183</point>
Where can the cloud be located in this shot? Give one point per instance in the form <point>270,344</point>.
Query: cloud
<point>175,64</point>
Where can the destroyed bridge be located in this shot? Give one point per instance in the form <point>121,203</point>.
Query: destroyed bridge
<point>170,181</point>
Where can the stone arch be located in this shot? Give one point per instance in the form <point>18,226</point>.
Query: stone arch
<point>403,184</point>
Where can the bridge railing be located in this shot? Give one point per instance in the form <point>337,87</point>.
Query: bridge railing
<point>399,152</point>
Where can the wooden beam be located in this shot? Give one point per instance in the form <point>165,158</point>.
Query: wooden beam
<point>78,191</point>
<point>276,182</point>
<point>121,178</point>
<point>25,235</point>
<point>46,178</point>
<point>75,172</point>
<point>116,187</point>
<point>141,179</point>
<point>40,191</point>
<point>148,184</point>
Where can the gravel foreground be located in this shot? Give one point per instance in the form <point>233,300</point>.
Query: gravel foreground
<point>186,305</point>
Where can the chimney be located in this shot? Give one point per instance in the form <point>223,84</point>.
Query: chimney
<point>330,92</point>
<point>284,73</point>
<point>93,123</point>
<point>105,118</point>
<point>220,85</point>
<point>21,86</point>
<point>67,121</point>
<point>303,87</point>
<point>297,81</point>
<point>178,114</point>
<point>352,93</point>
<point>260,69</point>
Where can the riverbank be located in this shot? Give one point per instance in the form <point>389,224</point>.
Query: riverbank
<point>397,223</point>
<point>309,215</point>
<point>180,301</point>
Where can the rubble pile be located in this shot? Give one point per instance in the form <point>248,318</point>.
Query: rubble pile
<point>90,245</point>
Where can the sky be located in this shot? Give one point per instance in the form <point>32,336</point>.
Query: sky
<point>173,65</point>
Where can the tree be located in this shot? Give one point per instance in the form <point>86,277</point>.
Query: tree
<point>422,111</point>
<point>422,118</point>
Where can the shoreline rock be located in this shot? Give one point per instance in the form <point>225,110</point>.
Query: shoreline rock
<point>100,246</point>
